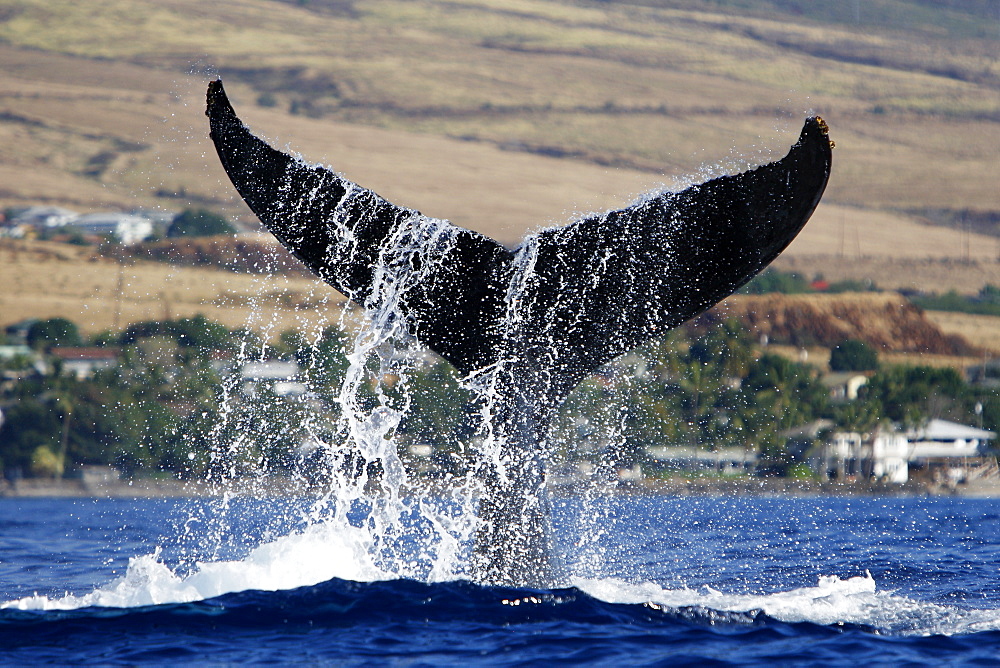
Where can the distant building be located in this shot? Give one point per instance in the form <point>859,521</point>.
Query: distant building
<point>127,228</point>
<point>97,478</point>
<point>941,438</point>
<point>942,450</point>
<point>847,455</point>
<point>728,461</point>
<point>888,454</point>
<point>9,378</point>
<point>161,219</point>
<point>948,454</point>
<point>844,385</point>
<point>17,231</point>
<point>17,333</point>
<point>45,216</point>
<point>84,362</point>
<point>985,375</point>
<point>8,352</point>
<point>276,377</point>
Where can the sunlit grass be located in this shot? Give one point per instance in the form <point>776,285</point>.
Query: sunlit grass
<point>664,90</point>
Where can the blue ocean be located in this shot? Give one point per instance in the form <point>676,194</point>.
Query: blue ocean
<point>654,580</point>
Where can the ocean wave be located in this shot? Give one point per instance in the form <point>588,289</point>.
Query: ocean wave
<point>323,560</point>
<point>458,621</point>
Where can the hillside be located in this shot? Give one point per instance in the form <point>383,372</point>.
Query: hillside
<point>503,117</point>
<point>101,102</point>
<point>48,280</point>
<point>885,321</point>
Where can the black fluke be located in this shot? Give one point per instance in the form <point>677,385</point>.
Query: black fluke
<point>543,316</point>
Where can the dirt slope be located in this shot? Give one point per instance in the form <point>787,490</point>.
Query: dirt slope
<point>885,320</point>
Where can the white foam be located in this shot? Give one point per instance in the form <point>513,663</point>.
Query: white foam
<point>319,553</point>
<point>332,550</point>
<point>832,601</point>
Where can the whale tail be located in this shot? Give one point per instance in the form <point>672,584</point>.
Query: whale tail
<point>596,288</point>
<point>600,286</point>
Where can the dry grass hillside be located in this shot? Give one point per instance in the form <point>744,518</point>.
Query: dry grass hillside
<point>48,280</point>
<point>982,331</point>
<point>805,328</point>
<point>100,108</point>
<point>886,321</point>
<point>507,116</point>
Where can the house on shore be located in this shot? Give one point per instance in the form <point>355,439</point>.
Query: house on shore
<point>84,362</point>
<point>724,461</point>
<point>276,377</point>
<point>942,451</point>
<point>127,228</point>
<point>950,453</point>
<point>17,333</point>
<point>941,438</point>
<point>45,217</point>
<point>985,374</point>
<point>878,455</point>
<point>844,385</point>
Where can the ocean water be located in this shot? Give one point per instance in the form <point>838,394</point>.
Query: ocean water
<point>651,581</point>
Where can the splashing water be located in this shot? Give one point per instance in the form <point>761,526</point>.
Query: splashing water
<point>372,521</point>
<point>371,524</point>
<point>369,519</point>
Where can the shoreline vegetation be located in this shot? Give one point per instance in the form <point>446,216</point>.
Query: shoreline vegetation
<point>544,102</point>
<point>185,388</point>
<point>675,486</point>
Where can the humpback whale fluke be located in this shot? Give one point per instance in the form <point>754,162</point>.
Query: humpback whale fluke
<point>585,293</point>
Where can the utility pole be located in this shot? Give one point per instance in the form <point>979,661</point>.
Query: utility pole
<point>118,297</point>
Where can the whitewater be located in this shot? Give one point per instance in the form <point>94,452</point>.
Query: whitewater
<point>673,580</point>
<point>374,567</point>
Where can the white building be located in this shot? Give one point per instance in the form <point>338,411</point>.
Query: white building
<point>844,385</point>
<point>274,376</point>
<point>128,228</point>
<point>882,455</point>
<point>941,438</point>
<point>938,446</point>
<point>46,216</point>
<point>728,461</point>
<point>889,456</point>
<point>85,362</point>
<point>9,352</point>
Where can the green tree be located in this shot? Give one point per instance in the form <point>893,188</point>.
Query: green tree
<point>439,407</point>
<point>199,223</point>
<point>323,361</point>
<point>913,395</point>
<point>54,332</point>
<point>141,417</point>
<point>727,348</point>
<point>853,355</point>
<point>28,424</point>
<point>45,463</point>
<point>197,332</point>
<point>772,280</point>
<point>200,332</point>
<point>990,294</point>
<point>860,415</point>
<point>779,394</point>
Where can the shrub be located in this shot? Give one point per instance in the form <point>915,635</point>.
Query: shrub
<point>772,280</point>
<point>54,332</point>
<point>199,223</point>
<point>853,355</point>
